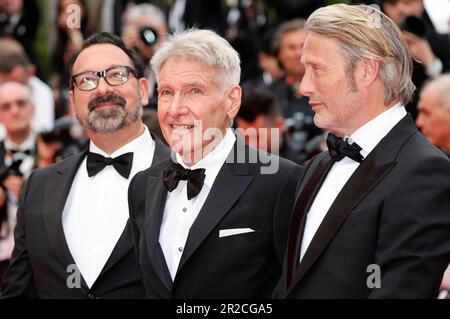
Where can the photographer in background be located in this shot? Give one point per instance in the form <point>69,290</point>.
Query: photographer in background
<point>66,139</point>
<point>144,26</point>
<point>299,116</point>
<point>17,159</point>
<point>429,49</point>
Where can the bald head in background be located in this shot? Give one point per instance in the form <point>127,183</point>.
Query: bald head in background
<point>434,112</point>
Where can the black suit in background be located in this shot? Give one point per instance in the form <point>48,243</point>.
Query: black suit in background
<point>394,211</point>
<point>239,266</point>
<point>41,256</point>
<point>25,31</point>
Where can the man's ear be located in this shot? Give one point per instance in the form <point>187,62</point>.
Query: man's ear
<point>368,69</point>
<point>31,70</point>
<point>234,101</point>
<point>144,91</point>
<point>279,123</point>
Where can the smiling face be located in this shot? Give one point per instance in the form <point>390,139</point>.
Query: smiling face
<point>333,94</point>
<point>194,110</point>
<point>107,108</point>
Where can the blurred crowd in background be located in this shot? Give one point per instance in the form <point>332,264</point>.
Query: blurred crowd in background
<point>37,39</point>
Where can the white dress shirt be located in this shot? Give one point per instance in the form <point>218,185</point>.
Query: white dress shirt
<point>7,228</point>
<point>96,210</point>
<point>27,160</point>
<point>180,213</point>
<point>367,137</point>
<point>44,105</point>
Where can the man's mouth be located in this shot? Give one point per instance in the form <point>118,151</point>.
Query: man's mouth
<point>314,104</point>
<point>101,105</point>
<point>181,127</point>
<point>109,101</point>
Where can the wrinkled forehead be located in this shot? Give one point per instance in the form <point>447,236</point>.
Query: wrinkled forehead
<point>189,69</point>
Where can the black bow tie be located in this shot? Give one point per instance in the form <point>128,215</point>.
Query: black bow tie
<point>195,178</point>
<point>122,164</point>
<point>339,148</point>
<point>26,152</point>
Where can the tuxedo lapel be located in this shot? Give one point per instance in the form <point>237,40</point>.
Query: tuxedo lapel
<point>161,151</point>
<point>57,189</point>
<point>125,242</point>
<point>311,185</point>
<point>358,186</point>
<point>371,171</point>
<point>123,245</point>
<point>230,183</point>
<point>154,209</point>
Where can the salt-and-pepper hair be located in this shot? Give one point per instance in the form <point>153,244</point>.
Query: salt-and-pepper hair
<point>150,11</point>
<point>204,46</point>
<point>364,32</point>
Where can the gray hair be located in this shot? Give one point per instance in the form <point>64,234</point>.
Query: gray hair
<point>364,32</point>
<point>205,46</point>
<point>152,12</point>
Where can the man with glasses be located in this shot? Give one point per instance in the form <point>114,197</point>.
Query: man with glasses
<point>17,159</point>
<point>72,237</point>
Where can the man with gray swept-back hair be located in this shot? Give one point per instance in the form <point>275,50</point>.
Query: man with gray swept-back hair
<point>372,214</point>
<point>218,219</point>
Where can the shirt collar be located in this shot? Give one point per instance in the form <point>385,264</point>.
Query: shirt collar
<point>213,161</point>
<point>28,144</point>
<point>371,133</point>
<point>136,145</point>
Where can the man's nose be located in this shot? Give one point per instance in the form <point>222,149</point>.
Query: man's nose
<point>306,88</point>
<point>178,106</point>
<point>419,120</point>
<point>103,87</point>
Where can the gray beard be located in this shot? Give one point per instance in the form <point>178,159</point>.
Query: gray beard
<point>111,120</point>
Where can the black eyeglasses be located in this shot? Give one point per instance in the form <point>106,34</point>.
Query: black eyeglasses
<point>116,75</point>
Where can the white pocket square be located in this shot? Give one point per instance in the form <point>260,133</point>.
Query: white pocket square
<point>234,231</point>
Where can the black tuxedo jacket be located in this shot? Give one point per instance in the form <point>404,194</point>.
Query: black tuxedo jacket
<point>240,266</point>
<point>40,260</point>
<point>393,213</point>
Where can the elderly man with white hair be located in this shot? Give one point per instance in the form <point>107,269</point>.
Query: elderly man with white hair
<point>212,221</point>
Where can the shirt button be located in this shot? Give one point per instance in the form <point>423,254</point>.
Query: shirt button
<point>184,209</point>
<point>180,249</point>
